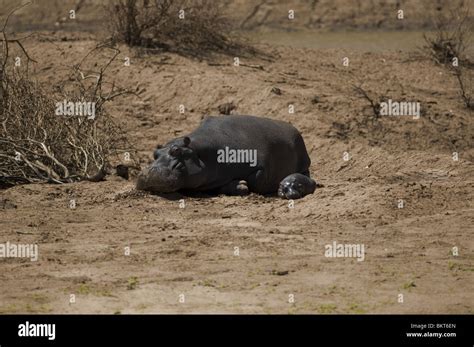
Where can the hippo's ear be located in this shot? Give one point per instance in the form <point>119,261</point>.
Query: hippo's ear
<point>186,141</point>
<point>158,146</point>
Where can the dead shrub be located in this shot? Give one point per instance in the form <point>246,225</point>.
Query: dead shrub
<point>448,45</point>
<point>190,27</point>
<point>465,79</point>
<point>452,35</point>
<point>38,144</point>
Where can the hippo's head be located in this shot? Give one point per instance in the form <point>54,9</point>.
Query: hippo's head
<point>173,168</point>
<point>295,186</point>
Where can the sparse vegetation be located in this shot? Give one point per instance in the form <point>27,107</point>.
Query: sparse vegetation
<point>37,144</point>
<point>452,35</point>
<point>189,27</point>
<point>356,308</point>
<point>374,105</point>
<point>132,283</point>
<point>409,285</point>
<point>448,45</point>
<point>465,78</point>
<point>326,308</point>
<point>83,289</point>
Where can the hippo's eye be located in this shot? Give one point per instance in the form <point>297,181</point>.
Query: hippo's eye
<point>175,151</point>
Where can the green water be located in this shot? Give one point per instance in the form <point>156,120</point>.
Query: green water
<point>363,41</point>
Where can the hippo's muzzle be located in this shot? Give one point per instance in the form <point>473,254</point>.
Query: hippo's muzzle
<point>160,179</point>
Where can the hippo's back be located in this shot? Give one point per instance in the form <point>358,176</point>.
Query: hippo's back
<point>280,148</point>
<point>250,129</point>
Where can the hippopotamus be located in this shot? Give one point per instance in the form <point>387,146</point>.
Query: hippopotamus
<point>233,155</point>
<point>295,186</point>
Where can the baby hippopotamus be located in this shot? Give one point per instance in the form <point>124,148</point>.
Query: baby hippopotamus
<point>295,186</point>
<point>233,155</point>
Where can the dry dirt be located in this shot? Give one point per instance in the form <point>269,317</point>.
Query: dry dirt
<point>192,250</point>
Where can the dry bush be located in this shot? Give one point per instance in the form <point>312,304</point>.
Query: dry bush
<point>452,39</point>
<point>453,34</point>
<point>465,79</point>
<point>36,144</point>
<point>156,24</point>
<point>374,105</point>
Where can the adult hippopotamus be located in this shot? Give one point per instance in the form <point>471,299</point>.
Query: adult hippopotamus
<point>233,155</point>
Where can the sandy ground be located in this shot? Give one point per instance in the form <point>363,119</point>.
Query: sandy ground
<point>185,260</point>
